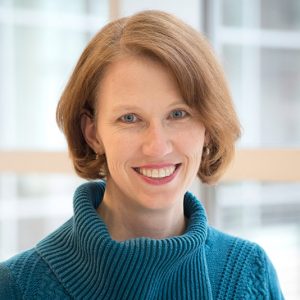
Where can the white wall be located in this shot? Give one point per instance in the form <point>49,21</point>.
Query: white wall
<point>187,10</point>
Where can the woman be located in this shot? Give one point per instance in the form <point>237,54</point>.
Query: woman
<point>147,109</point>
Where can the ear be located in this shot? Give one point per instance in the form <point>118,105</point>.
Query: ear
<point>89,131</point>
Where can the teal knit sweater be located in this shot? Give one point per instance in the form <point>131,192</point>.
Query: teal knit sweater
<point>81,261</point>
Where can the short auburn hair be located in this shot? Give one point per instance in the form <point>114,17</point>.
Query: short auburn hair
<point>185,53</point>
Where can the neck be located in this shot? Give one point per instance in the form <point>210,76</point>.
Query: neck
<point>125,222</point>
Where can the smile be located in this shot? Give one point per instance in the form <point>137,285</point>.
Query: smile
<point>157,173</point>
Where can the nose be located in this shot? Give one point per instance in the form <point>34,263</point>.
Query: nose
<point>157,141</point>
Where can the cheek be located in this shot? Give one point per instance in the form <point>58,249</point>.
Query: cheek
<point>194,148</point>
<point>114,143</point>
<point>192,142</point>
<point>196,157</point>
<point>118,150</point>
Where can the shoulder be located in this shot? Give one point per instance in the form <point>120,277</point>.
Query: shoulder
<point>240,267</point>
<point>11,272</point>
<point>228,246</point>
<point>9,289</point>
<point>27,276</point>
<point>223,249</point>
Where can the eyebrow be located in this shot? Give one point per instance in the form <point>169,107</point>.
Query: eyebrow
<point>123,107</point>
<point>133,107</point>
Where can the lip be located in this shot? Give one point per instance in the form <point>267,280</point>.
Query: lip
<point>156,166</point>
<point>158,181</point>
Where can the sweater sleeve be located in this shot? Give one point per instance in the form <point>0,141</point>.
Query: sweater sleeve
<point>273,283</point>
<point>8,287</point>
<point>263,282</point>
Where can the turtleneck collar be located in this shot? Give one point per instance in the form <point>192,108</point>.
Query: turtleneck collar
<point>90,265</point>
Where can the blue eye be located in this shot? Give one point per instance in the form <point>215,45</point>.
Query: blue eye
<point>178,114</point>
<point>129,118</point>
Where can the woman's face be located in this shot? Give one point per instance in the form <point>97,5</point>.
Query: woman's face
<point>151,138</point>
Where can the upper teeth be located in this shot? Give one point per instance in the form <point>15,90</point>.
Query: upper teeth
<point>157,173</point>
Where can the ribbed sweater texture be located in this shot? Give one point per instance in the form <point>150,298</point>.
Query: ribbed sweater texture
<point>80,260</point>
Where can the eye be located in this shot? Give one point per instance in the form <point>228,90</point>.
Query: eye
<point>178,114</point>
<point>129,118</point>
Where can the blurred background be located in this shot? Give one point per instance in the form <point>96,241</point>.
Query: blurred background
<point>258,43</point>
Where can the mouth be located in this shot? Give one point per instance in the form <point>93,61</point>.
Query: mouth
<point>157,173</point>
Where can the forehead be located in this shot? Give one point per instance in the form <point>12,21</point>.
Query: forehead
<point>130,69</point>
<point>137,77</point>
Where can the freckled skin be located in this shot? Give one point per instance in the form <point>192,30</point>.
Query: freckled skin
<point>145,88</point>
<point>142,119</point>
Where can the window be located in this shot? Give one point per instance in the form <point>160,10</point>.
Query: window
<point>258,42</point>
<point>41,40</point>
